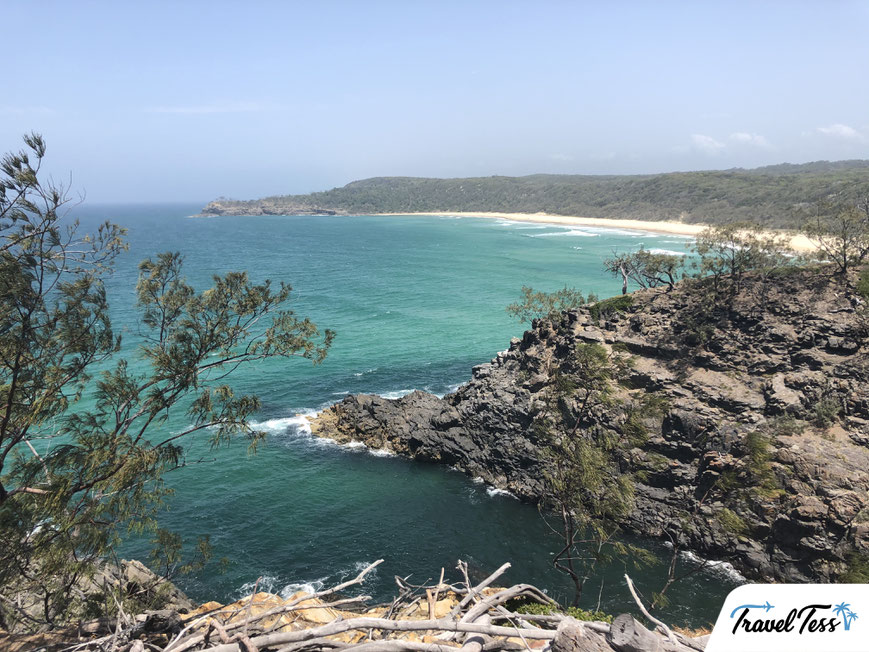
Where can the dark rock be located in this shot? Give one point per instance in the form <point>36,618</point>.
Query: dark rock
<point>778,353</point>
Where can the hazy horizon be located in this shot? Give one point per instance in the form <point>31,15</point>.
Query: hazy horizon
<point>190,101</point>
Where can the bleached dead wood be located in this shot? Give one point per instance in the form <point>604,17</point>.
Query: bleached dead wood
<point>661,625</point>
<point>479,622</point>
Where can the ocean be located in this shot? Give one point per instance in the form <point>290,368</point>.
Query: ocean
<point>416,302</point>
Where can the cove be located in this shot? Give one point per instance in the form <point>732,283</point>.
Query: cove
<point>416,302</point>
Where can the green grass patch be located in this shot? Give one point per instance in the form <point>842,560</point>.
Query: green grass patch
<point>732,522</point>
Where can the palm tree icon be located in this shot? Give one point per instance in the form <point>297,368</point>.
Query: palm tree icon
<point>844,609</point>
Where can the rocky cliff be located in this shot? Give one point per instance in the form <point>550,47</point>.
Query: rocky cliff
<point>761,452</point>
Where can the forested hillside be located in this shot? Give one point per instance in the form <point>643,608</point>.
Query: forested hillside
<point>775,196</point>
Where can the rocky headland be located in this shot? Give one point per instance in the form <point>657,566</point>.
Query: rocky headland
<point>268,206</point>
<point>760,455</point>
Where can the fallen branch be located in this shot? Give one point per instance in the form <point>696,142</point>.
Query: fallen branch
<point>658,623</point>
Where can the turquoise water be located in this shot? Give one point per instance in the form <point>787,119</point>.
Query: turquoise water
<point>416,302</point>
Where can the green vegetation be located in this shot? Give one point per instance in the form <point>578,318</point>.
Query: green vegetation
<point>63,511</point>
<point>608,307</point>
<point>586,489</point>
<point>548,305</point>
<point>863,284</point>
<point>840,229</point>
<point>771,196</point>
<point>732,522</point>
<point>538,609</point>
<point>857,569</point>
<point>825,411</point>
<point>725,254</point>
<point>646,269</point>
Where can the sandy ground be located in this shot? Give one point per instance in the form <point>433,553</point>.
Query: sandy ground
<point>798,242</point>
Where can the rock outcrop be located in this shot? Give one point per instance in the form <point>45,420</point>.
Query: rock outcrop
<point>779,379</point>
<point>268,206</point>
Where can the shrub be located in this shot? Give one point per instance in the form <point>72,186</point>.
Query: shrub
<point>732,522</point>
<point>608,307</point>
<point>543,609</point>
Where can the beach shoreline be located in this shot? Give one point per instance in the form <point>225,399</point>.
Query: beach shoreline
<point>799,242</point>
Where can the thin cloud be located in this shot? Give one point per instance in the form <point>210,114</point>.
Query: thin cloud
<point>218,107</point>
<point>707,144</point>
<point>25,110</point>
<point>562,157</point>
<point>754,140</point>
<point>842,132</point>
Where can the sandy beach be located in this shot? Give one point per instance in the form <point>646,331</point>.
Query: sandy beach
<point>798,242</point>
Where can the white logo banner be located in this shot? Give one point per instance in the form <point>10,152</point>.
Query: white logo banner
<point>793,618</point>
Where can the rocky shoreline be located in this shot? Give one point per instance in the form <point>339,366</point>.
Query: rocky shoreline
<point>787,366</point>
<point>220,207</point>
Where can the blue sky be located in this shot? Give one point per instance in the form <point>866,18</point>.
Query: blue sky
<point>191,100</point>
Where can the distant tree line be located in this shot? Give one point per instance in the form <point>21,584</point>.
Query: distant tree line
<point>773,196</point>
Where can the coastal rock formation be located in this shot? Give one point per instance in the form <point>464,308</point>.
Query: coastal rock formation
<point>778,382</point>
<point>267,206</point>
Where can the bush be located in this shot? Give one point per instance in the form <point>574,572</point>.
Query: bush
<point>608,307</point>
<point>857,570</point>
<point>826,412</point>
<point>863,284</point>
<point>575,612</point>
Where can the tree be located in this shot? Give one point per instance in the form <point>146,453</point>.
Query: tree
<point>646,269</point>
<point>841,233</point>
<point>547,305</point>
<point>586,487</point>
<point>726,253</point>
<point>62,511</point>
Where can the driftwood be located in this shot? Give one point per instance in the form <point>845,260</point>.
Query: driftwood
<point>479,621</point>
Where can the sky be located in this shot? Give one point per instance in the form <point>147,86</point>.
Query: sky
<point>188,101</point>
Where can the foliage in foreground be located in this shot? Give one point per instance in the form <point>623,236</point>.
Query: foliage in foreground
<point>100,467</point>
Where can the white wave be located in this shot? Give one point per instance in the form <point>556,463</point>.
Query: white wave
<point>275,585</point>
<point>367,371</point>
<point>340,393</point>
<point>358,445</point>
<point>265,584</point>
<point>452,389</point>
<point>308,587</point>
<point>636,233</point>
<point>354,446</point>
<point>397,394</point>
<point>281,425</point>
<point>380,452</point>
<point>521,225</point>
<point>477,480</point>
<point>577,248</point>
<point>571,232</point>
<point>494,491</point>
<point>668,252</point>
<point>360,566</point>
<point>723,568</point>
